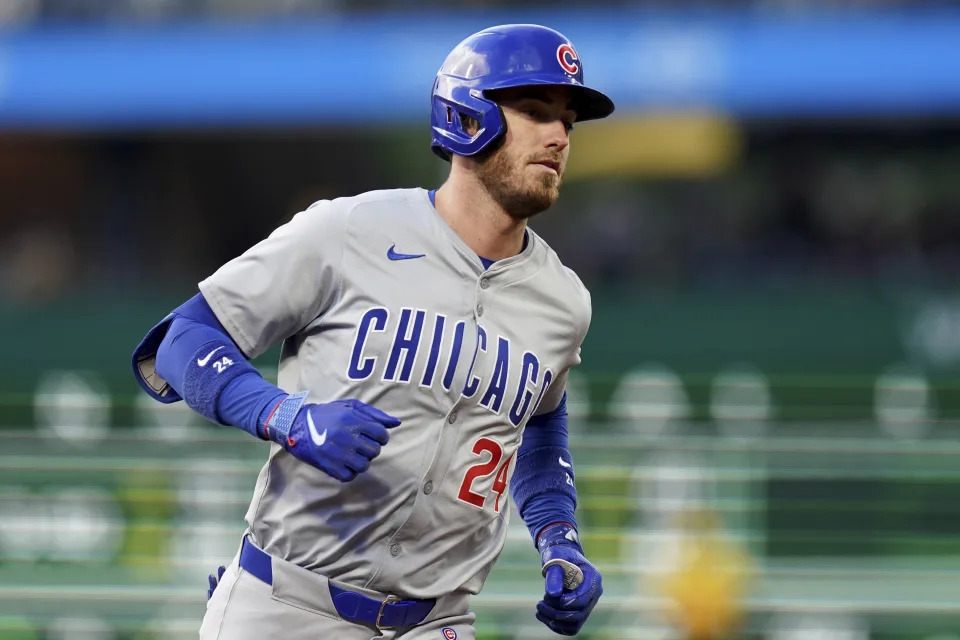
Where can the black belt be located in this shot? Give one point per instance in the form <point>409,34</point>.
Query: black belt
<point>356,607</point>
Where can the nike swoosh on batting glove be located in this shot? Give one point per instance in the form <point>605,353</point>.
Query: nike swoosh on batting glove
<point>340,438</point>
<point>568,598</point>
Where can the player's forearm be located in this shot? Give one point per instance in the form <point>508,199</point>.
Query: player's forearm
<point>546,509</point>
<point>203,365</point>
<point>543,481</point>
<point>543,491</point>
<point>247,403</point>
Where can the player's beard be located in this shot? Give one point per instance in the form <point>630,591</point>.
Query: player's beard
<point>508,181</point>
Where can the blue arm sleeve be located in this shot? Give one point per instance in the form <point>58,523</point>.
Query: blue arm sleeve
<point>198,310</point>
<point>200,361</point>
<point>543,480</point>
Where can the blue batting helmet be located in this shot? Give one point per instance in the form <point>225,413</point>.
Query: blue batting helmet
<point>512,55</point>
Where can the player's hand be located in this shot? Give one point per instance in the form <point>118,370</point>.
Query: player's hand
<point>572,584</point>
<point>214,579</point>
<point>339,438</point>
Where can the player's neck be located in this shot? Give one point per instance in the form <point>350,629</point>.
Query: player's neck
<point>480,221</point>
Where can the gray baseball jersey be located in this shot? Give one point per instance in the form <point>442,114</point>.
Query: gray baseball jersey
<point>376,298</point>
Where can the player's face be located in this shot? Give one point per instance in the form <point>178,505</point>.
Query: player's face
<point>525,172</point>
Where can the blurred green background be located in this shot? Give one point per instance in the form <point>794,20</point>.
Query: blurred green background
<point>767,418</point>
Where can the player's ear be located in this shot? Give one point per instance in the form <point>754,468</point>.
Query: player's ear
<point>469,124</point>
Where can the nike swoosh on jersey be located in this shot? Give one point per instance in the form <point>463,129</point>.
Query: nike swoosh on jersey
<point>393,255</point>
<point>565,464</point>
<point>204,360</point>
<point>318,438</point>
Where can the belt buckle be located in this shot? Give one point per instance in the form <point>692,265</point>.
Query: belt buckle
<point>388,600</point>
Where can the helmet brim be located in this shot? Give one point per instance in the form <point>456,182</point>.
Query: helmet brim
<point>589,104</point>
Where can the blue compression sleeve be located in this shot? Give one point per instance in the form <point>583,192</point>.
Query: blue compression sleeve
<point>543,481</point>
<point>225,389</point>
<point>248,401</point>
<point>198,310</point>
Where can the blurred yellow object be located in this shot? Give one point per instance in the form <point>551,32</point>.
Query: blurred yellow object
<point>662,145</point>
<point>707,586</point>
<point>149,504</point>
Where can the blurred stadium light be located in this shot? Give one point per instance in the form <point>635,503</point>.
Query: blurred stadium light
<point>819,627</point>
<point>76,628</point>
<point>903,403</point>
<point>650,400</point>
<point>740,401</point>
<point>73,406</point>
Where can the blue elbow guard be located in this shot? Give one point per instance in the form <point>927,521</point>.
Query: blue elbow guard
<point>145,364</point>
<point>210,369</point>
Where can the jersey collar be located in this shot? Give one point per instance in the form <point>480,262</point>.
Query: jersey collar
<point>518,266</point>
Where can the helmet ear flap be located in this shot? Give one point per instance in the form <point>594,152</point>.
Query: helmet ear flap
<point>452,113</point>
<point>500,138</point>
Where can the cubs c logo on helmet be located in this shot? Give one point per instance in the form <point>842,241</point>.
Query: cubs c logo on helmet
<point>568,58</point>
<point>449,633</point>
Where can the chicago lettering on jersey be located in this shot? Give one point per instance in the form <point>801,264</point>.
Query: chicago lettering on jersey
<point>417,336</point>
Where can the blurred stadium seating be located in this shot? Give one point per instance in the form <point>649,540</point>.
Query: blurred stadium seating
<point>767,418</point>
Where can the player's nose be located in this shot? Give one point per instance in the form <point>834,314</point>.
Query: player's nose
<point>556,136</point>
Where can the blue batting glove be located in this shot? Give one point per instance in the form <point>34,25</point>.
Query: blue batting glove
<point>214,579</point>
<point>340,438</point>
<point>572,584</point>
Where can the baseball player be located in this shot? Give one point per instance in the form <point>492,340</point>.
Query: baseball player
<point>426,339</point>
